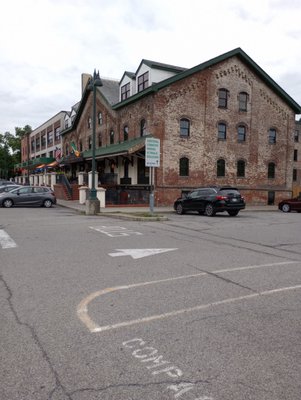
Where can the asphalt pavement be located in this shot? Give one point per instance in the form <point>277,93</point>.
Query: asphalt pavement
<point>113,210</point>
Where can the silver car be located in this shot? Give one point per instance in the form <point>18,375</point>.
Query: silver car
<point>28,196</point>
<point>8,188</point>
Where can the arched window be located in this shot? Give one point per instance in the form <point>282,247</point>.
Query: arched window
<point>100,121</point>
<point>89,122</point>
<point>272,136</point>
<point>142,127</point>
<point>222,131</point>
<point>220,167</point>
<point>90,142</point>
<point>241,133</point>
<point>184,127</point>
<point>271,170</point>
<point>223,95</point>
<point>241,167</point>
<point>243,101</point>
<point>112,137</point>
<point>184,166</point>
<point>125,133</point>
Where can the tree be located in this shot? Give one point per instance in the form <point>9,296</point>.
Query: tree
<point>10,150</point>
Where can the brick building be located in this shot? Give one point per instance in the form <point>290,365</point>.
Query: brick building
<point>223,122</point>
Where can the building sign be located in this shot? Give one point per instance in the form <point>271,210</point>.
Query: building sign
<point>152,152</point>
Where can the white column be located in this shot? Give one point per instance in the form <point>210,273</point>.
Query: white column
<point>101,195</point>
<point>90,179</point>
<point>52,179</point>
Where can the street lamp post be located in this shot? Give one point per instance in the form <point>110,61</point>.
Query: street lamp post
<point>93,204</point>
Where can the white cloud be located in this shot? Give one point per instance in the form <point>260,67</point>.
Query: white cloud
<point>49,43</point>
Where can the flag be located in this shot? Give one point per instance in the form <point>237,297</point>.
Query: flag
<point>76,152</point>
<point>57,154</point>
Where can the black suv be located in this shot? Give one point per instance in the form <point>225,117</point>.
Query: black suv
<point>210,200</point>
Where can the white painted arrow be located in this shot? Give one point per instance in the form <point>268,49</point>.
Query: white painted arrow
<point>138,253</point>
<point>6,241</point>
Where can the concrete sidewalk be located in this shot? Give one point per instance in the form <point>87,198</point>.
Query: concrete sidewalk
<point>75,205</point>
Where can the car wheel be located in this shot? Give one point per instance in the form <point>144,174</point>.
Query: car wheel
<point>179,209</point>
<point>233,213</point>
<point>47,203</point>
<point>209,210</point>
<point>285,207</point>
<point>7,203</point>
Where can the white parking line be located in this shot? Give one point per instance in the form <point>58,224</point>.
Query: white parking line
<point>6,241</point>
<point>82,309</point>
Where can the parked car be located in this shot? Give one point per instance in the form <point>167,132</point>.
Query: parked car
<point>211,200</point>
<point>28,196</point>
<point>8,188</point>
<point>289,205</point>
<point>4,182</point>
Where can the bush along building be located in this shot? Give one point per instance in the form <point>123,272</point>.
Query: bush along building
<point>223,122</point>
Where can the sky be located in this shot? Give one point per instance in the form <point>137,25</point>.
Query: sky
<point>45,45</point>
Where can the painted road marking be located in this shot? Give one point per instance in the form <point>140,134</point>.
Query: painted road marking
<point>157,364</point>
<point>115,231</point>
<point>6,241</point>
<point>82,309</point>
<point>138,253</point>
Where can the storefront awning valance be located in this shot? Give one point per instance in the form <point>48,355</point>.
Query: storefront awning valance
<point>128,147</point>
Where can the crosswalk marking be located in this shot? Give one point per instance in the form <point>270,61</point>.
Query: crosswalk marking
<point>6,241</point>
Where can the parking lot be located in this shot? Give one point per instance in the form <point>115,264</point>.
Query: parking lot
<point>191,308</point>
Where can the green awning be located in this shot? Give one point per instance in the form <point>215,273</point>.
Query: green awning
<point>125,148</point>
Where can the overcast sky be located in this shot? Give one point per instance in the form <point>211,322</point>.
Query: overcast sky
<point>46,45</point>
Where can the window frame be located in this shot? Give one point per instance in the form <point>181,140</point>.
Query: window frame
<point>143,127</point>
<point>112,136</point>
<point>184,167</point>
<point>125,91</point>
<point>184,127</point>
<point>241,137</point>
<point>143,81</point>
<point>222,134</point>
<point>223,97</point>
<point>243,101</point>
<point>272,136</point>
<point>221,168</point>
<point>271,170</point>
<point>125,133</point>
<point>241,168</point>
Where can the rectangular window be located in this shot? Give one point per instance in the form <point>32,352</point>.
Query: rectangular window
<point>295,155</point>
<point>294,175</point>
<point>50,138</point>
<point>223,98</point>
<point>125,91</point>
<point>143,82</point>
<point>222,132</point>
<point>43,140</point>
<point>57,134</point>
<point>243,99</point>
<point>272,136</point>
<point>296,136</point>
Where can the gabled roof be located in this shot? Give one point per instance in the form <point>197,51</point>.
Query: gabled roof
<point>161,66</point>
<point>110,92</point>
<point>131,75</point>
<point>238,52</point>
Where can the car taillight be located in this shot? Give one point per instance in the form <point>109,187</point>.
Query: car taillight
<point>221,198</point>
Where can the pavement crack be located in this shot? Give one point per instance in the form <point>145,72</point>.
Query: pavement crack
<point>226,280</point>
<point>139,385</point>
<point>58,384</point>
